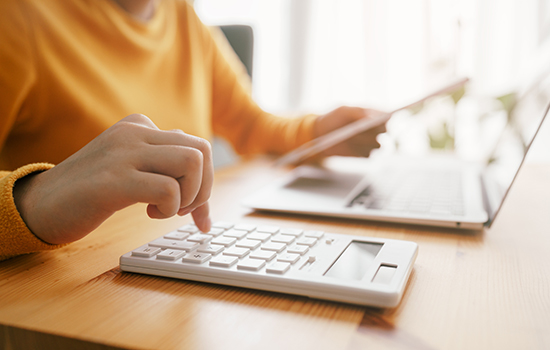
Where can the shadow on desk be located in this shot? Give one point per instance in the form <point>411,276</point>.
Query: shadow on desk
<point>369,225</point>
<point>18,338</point>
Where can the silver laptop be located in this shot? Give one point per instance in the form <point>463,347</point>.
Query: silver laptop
<point>437,191</point>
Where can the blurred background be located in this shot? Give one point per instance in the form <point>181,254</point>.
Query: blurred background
<point>312,56</point>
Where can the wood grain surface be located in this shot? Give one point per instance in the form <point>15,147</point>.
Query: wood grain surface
<point>468,290</point>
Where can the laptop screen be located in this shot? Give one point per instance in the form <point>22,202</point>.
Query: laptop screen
<point>519,131</point>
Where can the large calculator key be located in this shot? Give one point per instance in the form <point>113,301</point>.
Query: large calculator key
<point>248,243</point>
<point>171,254</point>
<point>177,235</point>
<point>200,238</point>
<point>289,258</point>
<point>263,255</point>
<point>286,239</point>
<point>215,232</point>
<point>210,249</point>
<point>146,252</point>
<point>276,247</point>
<point>291,231</point>
<point>268,229</point>
<point>251,264</point>
<point>223,224</point>
<point>309,241</point>
<point>278,268</point>
<point>225,241</point>
<point>236,233</point>
<point>298,249</point>
<point>263,237</point>
<point>196,258</point>
<point>170,243</point>
<point>223,261</point>
<point>236,251</point>
<point>245,227</point>
<point>314,234</point>
<point>191,228</point>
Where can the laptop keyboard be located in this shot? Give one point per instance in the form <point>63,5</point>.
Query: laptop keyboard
<point>437,192</point>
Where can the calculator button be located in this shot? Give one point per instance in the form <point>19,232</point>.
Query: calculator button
<point>223,261</point>
<point>276,247</point>
<point>236,233</point>
<point>314,234</point>
<point>309,241</point>
<point>268,229</point>
<point>210,249</point>
<point>177,235</point>
<point>170,243</point>
<point>278,267</point>
<point>248,243</point>
<point>225,241</point>
<point>245,227</point>
<point>263,255</point>
<point>264,237</point>
<point>236,251</point>
<point>199,238</point>
<point>251,264</point>
<point>196,258</point>
<point>215,232</point>
<point>283,239</point>
<point>289,258</point>
<point>223,224</point>
<point>191,228</point>
<point>171,254</point>
<point>291,232</point>
<point>146,252</point>
<point>298,249</point>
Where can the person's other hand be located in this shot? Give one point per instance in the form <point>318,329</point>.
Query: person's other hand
<point>132,161</point>
<point>359,145</point>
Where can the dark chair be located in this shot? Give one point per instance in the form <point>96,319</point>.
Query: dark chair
<point>241,39</point>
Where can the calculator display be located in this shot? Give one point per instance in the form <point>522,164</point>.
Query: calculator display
<point>355,261</point>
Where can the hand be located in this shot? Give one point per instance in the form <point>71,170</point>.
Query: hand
<point>359,145</point>
<point>132,161</point>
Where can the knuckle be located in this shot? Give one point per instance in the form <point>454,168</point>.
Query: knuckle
<point>204,146</point>
<point>178,131</point>
<point>342,109</point>
<point>137,118</point>
<point>194,158</point>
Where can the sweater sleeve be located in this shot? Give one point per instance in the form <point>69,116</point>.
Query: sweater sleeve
<point>15,237</point>
<point>18,73</point>
<point>236,117</point>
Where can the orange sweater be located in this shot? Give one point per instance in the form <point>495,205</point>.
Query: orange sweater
<point>71,69</point>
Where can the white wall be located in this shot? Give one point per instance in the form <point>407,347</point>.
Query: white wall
<point>313,55</point>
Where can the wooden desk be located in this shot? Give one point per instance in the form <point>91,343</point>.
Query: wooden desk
<point>484,290</point>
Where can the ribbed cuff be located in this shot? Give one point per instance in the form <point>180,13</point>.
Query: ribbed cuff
<point>15,236</point>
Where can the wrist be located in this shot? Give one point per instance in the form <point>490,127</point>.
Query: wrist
<point>21,197</point>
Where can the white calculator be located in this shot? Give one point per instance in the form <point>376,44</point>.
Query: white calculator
<point>316,264</point>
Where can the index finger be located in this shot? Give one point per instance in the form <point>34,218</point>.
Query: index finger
<point>178,137</point>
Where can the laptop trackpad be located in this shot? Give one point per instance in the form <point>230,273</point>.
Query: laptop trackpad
<point>321,182</point>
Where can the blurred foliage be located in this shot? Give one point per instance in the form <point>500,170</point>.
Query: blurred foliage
<point>458,94</point>
<point>508,102</point>
<point>443,139</point>
<point>417,108</point>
